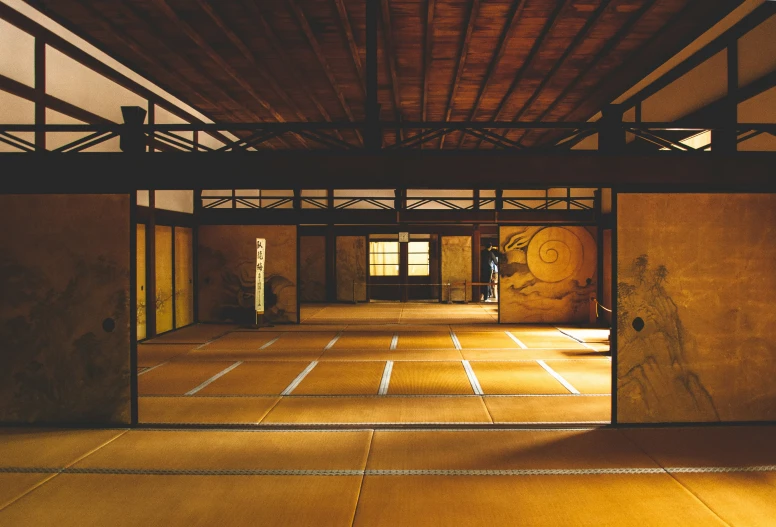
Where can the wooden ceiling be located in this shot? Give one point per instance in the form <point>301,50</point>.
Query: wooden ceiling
<point>438,60</point>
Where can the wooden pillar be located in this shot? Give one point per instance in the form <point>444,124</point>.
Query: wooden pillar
<point>151,266</point>
<point>195,248</point>
<point>40,94</point>
<point>599,219</point>
<point>297,202</point>
<point>331,264</point>
<point>403,269</point>
<point>476,240</point>
<point>724,137</point>
<point>611,135</point>
<point>373,133</point>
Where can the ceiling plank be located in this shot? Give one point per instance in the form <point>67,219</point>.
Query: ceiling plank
<point>427,56</point>
<point>471,18</point>
<point>79,55</point>
<point>324,63</point>
<point>250,57</point>
<point>391,60</point>
<point>701,13</point>
<point>137,47</point>
<point>347,30</point>
<point>551,23</point>
<point>215,57</point>
<point>610,45</point>
<point>277,47</point>
<point>511,21</point>
<point>427,60</point>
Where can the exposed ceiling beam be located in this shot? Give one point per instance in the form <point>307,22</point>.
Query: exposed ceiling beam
<point>215,57</point>
<point>546,30</point>
<point>617,81</point>
<point>29,93</point>
<point>277,47</point>
<point>87,60</point>
<point>347,30</point>
<point>260,69</point>
<point>322,61</point>
<point>610,45</point>
<point>743,26</point>
<point>178,57</point>
<point>515,10</point>
<point>471,18</point>
<point>391,60</point>
<point>427,55</point>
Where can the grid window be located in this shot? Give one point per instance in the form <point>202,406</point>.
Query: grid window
<point>418,259</point>
<point>383,258</point>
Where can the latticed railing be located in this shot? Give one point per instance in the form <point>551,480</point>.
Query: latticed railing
<point>247,137</point>
<point>385,199</point>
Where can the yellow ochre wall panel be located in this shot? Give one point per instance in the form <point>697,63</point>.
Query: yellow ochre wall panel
<point>140,303</point>
<point>696,307</point>
<point>184,277</point>
<point>456,265</point>
<point>164,286</point>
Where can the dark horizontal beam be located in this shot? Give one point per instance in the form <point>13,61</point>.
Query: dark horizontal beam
<point>119,172</point>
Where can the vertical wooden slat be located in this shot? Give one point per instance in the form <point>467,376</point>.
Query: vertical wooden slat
<point>40,93</point>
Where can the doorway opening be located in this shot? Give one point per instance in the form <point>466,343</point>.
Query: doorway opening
<point>403,271</point>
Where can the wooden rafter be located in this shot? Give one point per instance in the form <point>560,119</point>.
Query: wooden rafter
<point>277,47</point>
<point>324,63</point>
<point>390,55</point>
<point>610,45</point>
<point>511,21</point>
<point>215,57</point>
<point>427,55</point>
<point>546,30</point>
<point>125,38</point>
<point>347,30</point>
<point>427,60</point>
<point>260,69</point>
<point>474,9</point>
<point>29,93</point>
<point>80,56</point>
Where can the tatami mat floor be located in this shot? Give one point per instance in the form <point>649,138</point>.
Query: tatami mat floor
<point>376,374</point>
<point>365,477</point>
<point>399,313</point>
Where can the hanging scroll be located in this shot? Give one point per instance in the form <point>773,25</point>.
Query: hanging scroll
<point>261,244</point>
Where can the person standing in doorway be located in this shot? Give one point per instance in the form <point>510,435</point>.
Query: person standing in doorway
<point>488,265</point>
<point>493,272</point>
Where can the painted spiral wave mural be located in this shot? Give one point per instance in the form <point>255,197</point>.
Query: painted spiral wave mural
<point>555,254</point>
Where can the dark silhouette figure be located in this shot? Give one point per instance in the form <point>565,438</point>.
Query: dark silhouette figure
<point>488,270</point>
